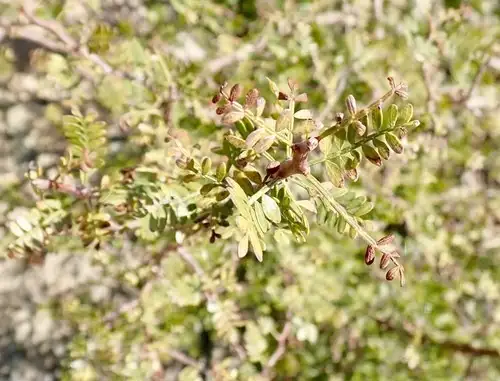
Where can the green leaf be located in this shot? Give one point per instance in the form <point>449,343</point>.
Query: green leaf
<point>205,189</point>
<point>303,114</point>
<point>308,205</point>
<point>371,155</point>
<point>254,176</point>
<point>264,144</point>
<point>364,209</point>
<point>255,342</point>
<point>260,218</point>
<point>394,142</point>
<point>406,114</point>
<point>378,118</point>
<point>255,136</point>
<point>273,86</point>
<point>239,198</point>
<point>243,246</point>
<point>206,165</point>
<point>221,171</point>
<point>232,117</point>
<point>382,148</point>
<point>236,141</point>
<point>256,244</point>
<point>335,174</point>
<point>271,209</point>
<point>392,116</point>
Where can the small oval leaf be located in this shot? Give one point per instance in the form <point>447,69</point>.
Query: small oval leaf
<point>303,114</point>
<point>271,209</point>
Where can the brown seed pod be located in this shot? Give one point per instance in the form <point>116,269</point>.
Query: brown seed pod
<point>391,273</point>
<point>235,92</point>
<point>370,255</point>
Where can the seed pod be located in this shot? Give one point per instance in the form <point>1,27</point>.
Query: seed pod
<point>216,98</point>
<point>223,109</point>
<point>282,96</point>
<point>251,98</point>
<point>391,273</point>
<point>235,92</point>
<point>384,261</point>
<point>370,255</point>
<point>360,128</point>
<point>388,239</point>
<point>351,104</point>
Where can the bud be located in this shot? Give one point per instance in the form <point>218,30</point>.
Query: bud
<point>370,255</point>
<point>216,98</point>
<point>360,128</point>
<point>351,104</point>
<point>402,278</point>
<point>388,239</point>
<point>372,155</point>
<point>339,117</point>
<point>223,109</point>
<point>384,261</point>
<point>391,82</point>
<point>391,273</point>
<point>251,98</point>
<point>235,92</point>
<point>206,165</point>
<point>301,98</point>
<point>282,96</point>
<point>221,171</point>
<point>394,142</point>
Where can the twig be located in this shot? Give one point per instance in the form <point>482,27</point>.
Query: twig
<point>183,358</point>
<point>71,46</point>
<point>410,330</point>
<point>240,54</point>
<point>279,352</point>
<point>476,79</point>
<point>128,306</point>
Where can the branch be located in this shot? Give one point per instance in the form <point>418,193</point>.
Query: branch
<point>409,330</point>
<point>279,352</point>
<point>69,44</point>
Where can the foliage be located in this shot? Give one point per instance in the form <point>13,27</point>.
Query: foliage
<point>168,191</point>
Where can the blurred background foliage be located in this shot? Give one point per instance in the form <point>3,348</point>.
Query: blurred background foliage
<point>137,308</point>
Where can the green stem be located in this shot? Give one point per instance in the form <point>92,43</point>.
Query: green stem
<point>359,115</point>
<point>336,206</point>
<point>292,120</point>
<point>351,147</point>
